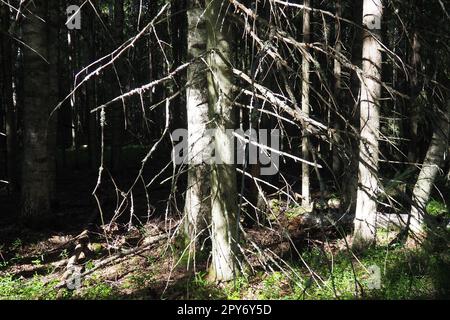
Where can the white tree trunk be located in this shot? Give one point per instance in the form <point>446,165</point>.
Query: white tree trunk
<point>198,204</point>
<point>306,197</point>
<point>223,177</point>
<point>430,169</point>
<point>366,203</point>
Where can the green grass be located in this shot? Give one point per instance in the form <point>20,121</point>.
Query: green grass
<point>26,289</point>
<point>96,289</point>
<point>404,274</point>
<point>292,211</point>
<point>138,281</point>
<point>437,208</point>
<point>198,288</point>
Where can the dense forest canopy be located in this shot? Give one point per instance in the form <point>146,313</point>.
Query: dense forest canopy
<point>228,149</point>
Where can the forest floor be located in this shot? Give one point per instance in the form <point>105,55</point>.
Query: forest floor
<point>33,266</point>
<point>299,261</point>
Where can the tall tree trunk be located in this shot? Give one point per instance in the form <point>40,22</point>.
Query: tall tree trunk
<point>93,138</point>
<point>224,227</point>
<point>434,159</point>
<point>178,37</point>
<point>11,114</point>
<point>306,197</point>
<point>414,112</point>
<point>74,117</point>
<point>366,203</point>
<point>337,72</point>
<point>117,111</point>
<point>53,39</point>
<point>350,179</point>
<point>158,67</point>
<point>198,203</point>
<point>35,202</point>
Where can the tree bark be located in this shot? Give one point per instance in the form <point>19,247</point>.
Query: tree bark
<point>11,114</point>
<point>431,166</point>
<point>158,67</point>
<point>117,110</point>
<point>91,92</point>
<point>366,203</point>
<point>414,109</point>
<point>224,227</point>
<point>352,112</point>
<point>36,175</point>
<point>337,72</point>
<point>306,197</point>
<point>53,40</point>
<point>198,203</point>
<point>179,46</point>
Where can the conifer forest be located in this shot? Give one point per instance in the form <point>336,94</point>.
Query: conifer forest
<point>224,149</point>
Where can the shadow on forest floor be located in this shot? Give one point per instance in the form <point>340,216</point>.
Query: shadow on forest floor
<point>32,263</point>
<point>32,270</point>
